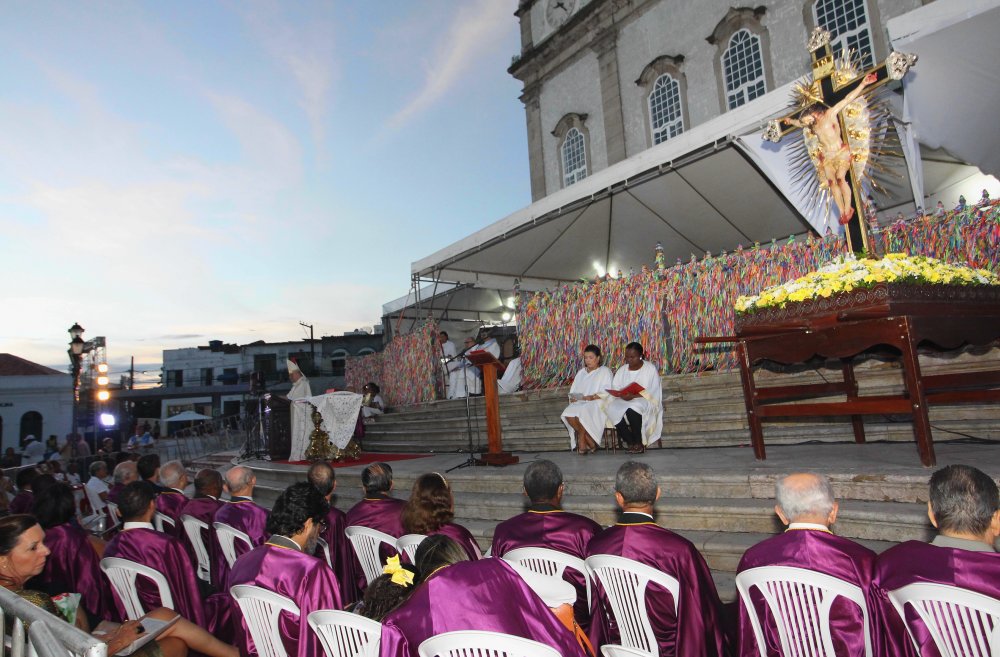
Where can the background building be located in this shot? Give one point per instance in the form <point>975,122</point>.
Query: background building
<point>34,399</point>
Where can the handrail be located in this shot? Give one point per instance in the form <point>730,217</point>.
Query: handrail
<point>48,635</point>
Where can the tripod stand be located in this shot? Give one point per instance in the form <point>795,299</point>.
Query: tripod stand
<point>255,446</point>
<point>471,461</point>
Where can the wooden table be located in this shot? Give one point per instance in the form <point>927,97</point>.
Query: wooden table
<point>899,317</point>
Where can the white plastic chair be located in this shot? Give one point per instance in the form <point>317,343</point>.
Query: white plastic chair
<point>961,622</point>
<point>114,514</point>
<point>325,550</point>
<point>261,609</point>
<point>123,573</point>
<point>193,528</point>
<point>611,650</point>
<point>624,582</point>
<point>800,601</point>
<point>476,643</point>
<point>549,562</point>
<point>161,520</point>
<point>344,634</point>
<point>227,537</point>
<point>366,543</point>
<point>408,545</point>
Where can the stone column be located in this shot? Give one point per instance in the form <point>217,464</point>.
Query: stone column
<point>605,45</point>
<point>536,156</point>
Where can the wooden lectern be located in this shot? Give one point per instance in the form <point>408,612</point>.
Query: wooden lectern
<point>490,366</point>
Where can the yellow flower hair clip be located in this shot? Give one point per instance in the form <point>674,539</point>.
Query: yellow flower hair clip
<point>400,576</point>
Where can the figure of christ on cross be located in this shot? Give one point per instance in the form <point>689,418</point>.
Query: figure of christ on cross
<point>834,158</point>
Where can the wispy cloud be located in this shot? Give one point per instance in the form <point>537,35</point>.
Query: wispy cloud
<point>478,27</point>
<point>305,51</point>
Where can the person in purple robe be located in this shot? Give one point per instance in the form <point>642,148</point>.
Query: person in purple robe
<point>73,565</point>
<point>324,479</point>
<point>139,542</point>
<point>241,513</point>
<point>454,594</point>
<point>697,626</point>
<point>806,505</point>
<point>377,510</point>
<point>964,506</point>
<point>431,509</point>
<point>285,565</point>
<point>546,525</point>
<point>170,501</point>
<point>22,502</point>
<point>204,504</point>
<point>124,474</point>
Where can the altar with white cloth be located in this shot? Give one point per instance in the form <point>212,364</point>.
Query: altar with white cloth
<point>340,415</point>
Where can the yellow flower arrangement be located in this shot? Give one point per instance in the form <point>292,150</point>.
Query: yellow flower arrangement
<point>847,273</point>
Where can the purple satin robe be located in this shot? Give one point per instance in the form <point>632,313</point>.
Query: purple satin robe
<point>169,503</point>
<point>914,561</point>
<point>114,492</point>
<point>246,516</point>
<point>74,567</point>
<point>22,502</point>
<point>474,595</point>
<point>201,508</point>
<point>304,579</point>
<point>463,537</point>
<point>548,527</point>
<point>341,553</point>
<point>167,555</point>
<point>824,553</point>
<point>383,514</point>
<point>697,627</point>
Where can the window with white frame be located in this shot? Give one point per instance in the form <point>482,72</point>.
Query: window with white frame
<point>574,157</point>
<point>743,67</point>
<point>847,23</point>
<point>665,116</point>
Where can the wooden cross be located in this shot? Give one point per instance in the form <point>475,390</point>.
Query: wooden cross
<point>827,91</point>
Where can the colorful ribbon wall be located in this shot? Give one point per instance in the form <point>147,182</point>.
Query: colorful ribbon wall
<point>666,309</point>
<point>406,370</point>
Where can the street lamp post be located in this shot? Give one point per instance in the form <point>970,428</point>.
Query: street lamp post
<point>76,345</point>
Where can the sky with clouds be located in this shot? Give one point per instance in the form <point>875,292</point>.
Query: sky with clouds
<point>175,172</point>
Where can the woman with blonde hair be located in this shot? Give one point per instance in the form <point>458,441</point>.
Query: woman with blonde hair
<point>431,509</point>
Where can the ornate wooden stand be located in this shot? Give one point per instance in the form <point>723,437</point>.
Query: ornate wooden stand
<point>491,367</point>
<point>899,316</point>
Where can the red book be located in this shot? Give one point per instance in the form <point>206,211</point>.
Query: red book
<point>631,389</point>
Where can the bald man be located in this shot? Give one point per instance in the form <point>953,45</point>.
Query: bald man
<point>806,506</point>
<point>241,513</point>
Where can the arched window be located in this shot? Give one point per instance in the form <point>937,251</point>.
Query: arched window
<point>338,362</point>
<point>665,115</point>
<point>574,157</point>
<point>743,67</point>
<point>364,351</point>
<point>847,23</point>
<point>31,425</point>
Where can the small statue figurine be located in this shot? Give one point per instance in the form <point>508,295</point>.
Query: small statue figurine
<point>961,204</point>
<point>659,259</point>
<point>319,441</point>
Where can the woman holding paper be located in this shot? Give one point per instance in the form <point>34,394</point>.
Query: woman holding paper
<point>22,556</point>
<point>634,404</point>
<point>584,417</point>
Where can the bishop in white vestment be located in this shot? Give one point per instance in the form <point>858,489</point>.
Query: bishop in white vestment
<point>301,421</point>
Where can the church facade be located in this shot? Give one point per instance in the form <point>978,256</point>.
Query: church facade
<point>607,79</point>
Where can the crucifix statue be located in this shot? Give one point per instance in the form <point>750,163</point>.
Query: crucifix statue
<point>829,118</point>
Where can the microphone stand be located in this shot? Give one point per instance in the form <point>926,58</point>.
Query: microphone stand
<point>471,461</point>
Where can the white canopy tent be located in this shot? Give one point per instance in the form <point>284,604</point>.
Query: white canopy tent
<point>720,185</point>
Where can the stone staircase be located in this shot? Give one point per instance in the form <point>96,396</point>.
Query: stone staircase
<point>703,410</point>
<point>723,512</point>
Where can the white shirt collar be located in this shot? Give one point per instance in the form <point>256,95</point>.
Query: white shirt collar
<point>137,525</point>
<point>808,525</point>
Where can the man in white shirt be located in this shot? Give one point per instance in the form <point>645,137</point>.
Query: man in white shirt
<point>96,487</point>
<point>34,451</point>
<point>451,365</point>
<point>301,422</point>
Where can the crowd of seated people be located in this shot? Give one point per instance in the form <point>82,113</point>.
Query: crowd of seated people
<point>449,586</point>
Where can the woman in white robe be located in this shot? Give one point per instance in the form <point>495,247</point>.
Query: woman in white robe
<point>584,417</point>
<point>372,403</point>
<point>637,417</point>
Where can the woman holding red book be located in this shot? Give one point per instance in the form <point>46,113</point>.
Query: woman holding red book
<point>634,403</point>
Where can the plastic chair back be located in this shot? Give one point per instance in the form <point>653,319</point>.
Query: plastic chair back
<point>366,543</point>
<point>961,622</point>
<point>193,528</point>
<point>799,601</point>
<point>344,634</point>
<point>624,582</point>
<point>123,573</point>
<point>408,545</point>
<point>611,650</point>
<point>549,562</point>
<point>227,537</point>
<point>475,643</point>
<point>324,549</point>
<point>261,609</point>
<point>161,520</point>
<point>113,513</point>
